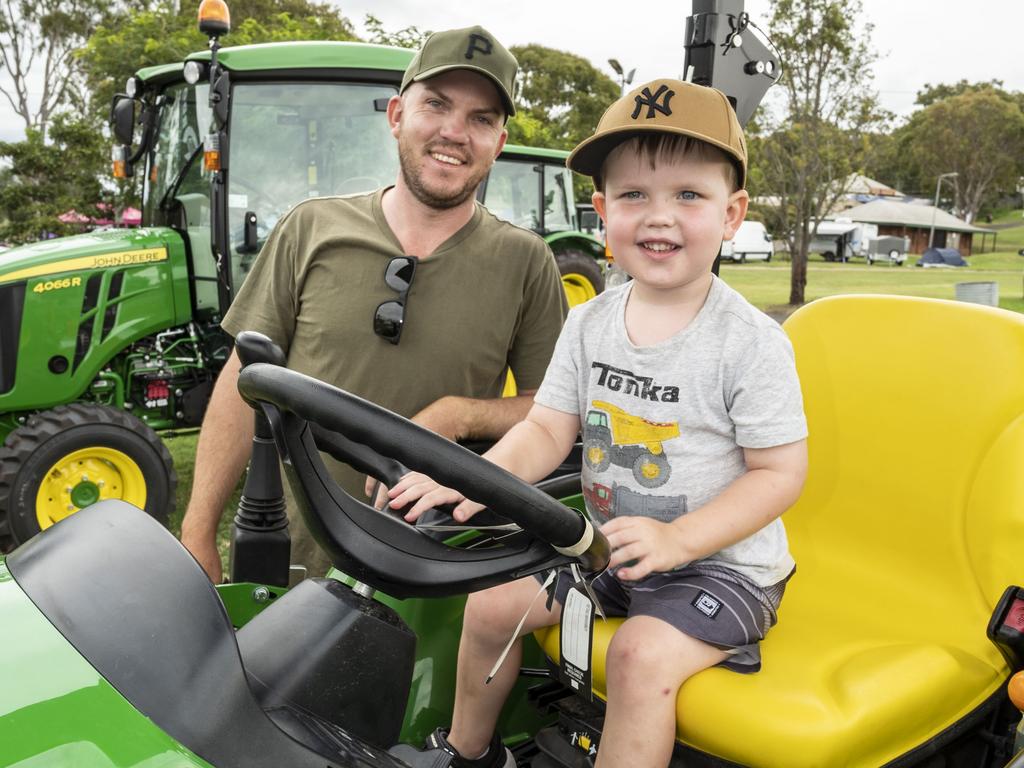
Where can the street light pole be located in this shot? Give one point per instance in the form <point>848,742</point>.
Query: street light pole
<point>938,184</point>
<point>625,78</point>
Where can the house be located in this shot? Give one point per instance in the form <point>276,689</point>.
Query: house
<point>915,220</point>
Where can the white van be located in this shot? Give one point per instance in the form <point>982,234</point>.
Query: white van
<point>751,243</point>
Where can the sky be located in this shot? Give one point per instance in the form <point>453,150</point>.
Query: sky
<point>918,41</point>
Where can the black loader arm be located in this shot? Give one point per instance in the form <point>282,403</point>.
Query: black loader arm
<point>724,51</point>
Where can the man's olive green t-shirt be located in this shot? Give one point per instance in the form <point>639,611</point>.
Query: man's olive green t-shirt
<point>488,299</point>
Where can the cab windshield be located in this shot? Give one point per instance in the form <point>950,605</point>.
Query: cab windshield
<point>171,167</point>
<point>294,141</point>
<point>513,193</point>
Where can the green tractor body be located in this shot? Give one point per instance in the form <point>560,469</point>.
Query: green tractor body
<point>108,336</point>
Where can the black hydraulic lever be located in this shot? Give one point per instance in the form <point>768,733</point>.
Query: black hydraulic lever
<point>260,543</point>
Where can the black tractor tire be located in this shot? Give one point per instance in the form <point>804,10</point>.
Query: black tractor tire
<point>597,453</point>
<point>651,470</point>
<point>36,452</point>
<point>580,273</point>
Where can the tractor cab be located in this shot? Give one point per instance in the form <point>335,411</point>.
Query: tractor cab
<point>230,139</point>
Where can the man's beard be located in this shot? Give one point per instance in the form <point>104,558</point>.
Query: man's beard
<point>411,164</point>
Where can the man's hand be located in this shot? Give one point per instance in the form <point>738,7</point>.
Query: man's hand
<point>417,487</point>
<point>204,550</point>
<point>648,545</point>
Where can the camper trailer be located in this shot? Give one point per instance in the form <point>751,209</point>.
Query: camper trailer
<point>842,239</point>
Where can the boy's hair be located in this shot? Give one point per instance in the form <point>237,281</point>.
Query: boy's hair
<point>666,108</point>
<point>666,146</point>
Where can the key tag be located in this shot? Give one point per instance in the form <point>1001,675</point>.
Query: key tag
<point>576,640</point>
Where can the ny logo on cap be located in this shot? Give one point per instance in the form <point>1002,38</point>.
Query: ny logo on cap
<point>478,43</point>
<point>646,99</point>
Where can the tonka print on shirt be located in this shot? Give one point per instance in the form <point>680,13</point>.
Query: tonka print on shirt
<point>614,436</point>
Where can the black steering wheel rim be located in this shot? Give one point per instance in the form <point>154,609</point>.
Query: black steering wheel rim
<point>385,552</point>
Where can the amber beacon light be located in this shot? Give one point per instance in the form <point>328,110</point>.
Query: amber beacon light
<point>214,18</point>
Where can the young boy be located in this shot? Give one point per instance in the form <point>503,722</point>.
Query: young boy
<point>693,439</point>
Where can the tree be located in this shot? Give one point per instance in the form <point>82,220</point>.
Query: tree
<point>48,178</point>
<point>407,37</point>
<point>933,93</point>
<point>979,134</point>
<point>563,92</point>
<point>828,106</point>
<point>38,40</point>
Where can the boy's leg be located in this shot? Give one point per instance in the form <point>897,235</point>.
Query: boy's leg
<point>490,618</point>
<point>648,660</point>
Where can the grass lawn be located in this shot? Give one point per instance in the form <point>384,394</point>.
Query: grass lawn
<point>182,446</point>
<point>767,287</point>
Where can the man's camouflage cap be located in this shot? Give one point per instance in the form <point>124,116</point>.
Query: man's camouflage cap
<point>665,106</point>
<point>472,48</point>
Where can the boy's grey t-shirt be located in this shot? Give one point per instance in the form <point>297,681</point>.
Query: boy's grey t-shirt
<point>664,426</point>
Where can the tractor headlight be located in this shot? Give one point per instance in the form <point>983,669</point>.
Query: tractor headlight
<point>193,71</point>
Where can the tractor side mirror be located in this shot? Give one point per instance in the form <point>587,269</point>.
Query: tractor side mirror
<point>122,118</point>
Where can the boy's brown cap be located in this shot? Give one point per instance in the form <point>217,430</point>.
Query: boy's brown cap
<point>472,48</point>
<point>666,106</point>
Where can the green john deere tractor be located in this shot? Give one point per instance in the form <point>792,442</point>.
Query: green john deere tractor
<point>108,337</point>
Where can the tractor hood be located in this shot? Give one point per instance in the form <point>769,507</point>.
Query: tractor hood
<point>96,250</point>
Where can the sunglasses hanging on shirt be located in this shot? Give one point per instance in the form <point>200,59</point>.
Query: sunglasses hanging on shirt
<point>389,318</point>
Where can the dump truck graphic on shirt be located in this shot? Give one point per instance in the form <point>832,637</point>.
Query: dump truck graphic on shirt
<point>620,500</point>
<point>614,436</point>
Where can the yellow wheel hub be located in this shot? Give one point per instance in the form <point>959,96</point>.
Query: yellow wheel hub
<point>84,477</point>
<point>650,470</point>
<point>578,288</point>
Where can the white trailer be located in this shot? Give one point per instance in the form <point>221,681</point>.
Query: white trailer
<point>842,239</point>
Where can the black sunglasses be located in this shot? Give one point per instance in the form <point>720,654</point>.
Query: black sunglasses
<point>390,315</point>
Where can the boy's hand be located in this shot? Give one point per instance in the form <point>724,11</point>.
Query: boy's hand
<point>648,545</point>
<point>417,487</point>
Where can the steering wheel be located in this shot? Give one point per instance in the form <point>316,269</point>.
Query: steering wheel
<point>383,550</point>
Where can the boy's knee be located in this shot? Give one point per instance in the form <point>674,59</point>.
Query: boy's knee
<point>489,614</point>
<point>630,657</point>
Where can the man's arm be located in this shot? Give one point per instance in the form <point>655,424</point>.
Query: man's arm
<point>465,418</point>
<point>225,444</point>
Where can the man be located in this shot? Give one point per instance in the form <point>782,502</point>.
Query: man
<point>413,296</point>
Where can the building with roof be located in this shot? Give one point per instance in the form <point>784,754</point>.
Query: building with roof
<point>915,220</point>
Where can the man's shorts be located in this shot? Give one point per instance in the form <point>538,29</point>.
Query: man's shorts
<point>712,603</point>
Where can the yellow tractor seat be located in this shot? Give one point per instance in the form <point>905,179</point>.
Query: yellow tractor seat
<point>906,534</point>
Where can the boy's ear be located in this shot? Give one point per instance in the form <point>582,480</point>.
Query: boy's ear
<point>598,199</point>
<point>735,212</point>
